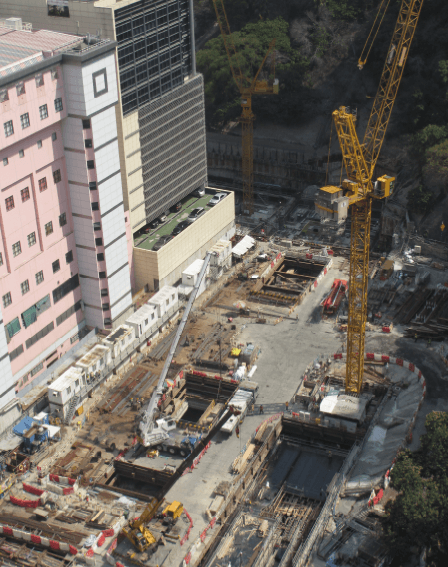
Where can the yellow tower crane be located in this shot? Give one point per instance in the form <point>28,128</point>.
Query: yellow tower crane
<point>358,189</point>
<point>247,88</point>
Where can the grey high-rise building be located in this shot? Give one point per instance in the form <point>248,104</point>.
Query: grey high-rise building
<point>161,123</point>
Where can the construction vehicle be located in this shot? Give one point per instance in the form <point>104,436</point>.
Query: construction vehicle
<point>147,423</point>
<point>247,87</point>
<point>358,189</point>
<point>172,512</point>
<point>137,531</point>
<point>330,304</point>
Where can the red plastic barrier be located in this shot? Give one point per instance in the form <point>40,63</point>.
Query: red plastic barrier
<point>213,522</point>
<point>68,490</point>
<point>232,381</point>
<point>32,489</point>
<point>385,358</point>
<point>36,538</point>
<point>108,533</point>
<point>118,564</point>
<point>315,283</point>
<point>7,531</point>
<point>380,494</point>
<point>337,355</point>
<point>187,558</point>
<point>399,362</point>
<point>101,540</point>
<point>370,355</point>
<point>54,477</point>
<point>73,549</point>
<point>54,544</point>
<point>24,503</point>
<point>330,252</point>
<point>90,552</point>
<point>386,329</point>
<point>411,367</point>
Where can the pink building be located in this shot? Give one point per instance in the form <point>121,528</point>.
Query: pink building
<point>65,261</point>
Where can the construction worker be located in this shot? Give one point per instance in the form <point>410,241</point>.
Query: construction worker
<point>261,409</point>
<point>237,431</point>
<point>416,337</point>
<point>429,343</point>
<point>286,406</point>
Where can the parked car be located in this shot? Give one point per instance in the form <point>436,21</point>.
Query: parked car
<point>151,226</point>
<point>177,207</point>
<point>199,192</point>
<point>180,227</point>
<point>195,214</point>
<point>217,199</point>
<point>162,241</point>
<point>162,218</point>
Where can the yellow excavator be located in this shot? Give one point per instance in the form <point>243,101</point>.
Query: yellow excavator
<point>137,531</point>
<point>358,189</point>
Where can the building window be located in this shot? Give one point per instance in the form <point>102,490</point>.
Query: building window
<point>107,322</point>
<point>4,96</point>
<point>100,257</point>
<point>25,194</point>
<point>31,239</point>
<point>49,228</point>
<point>86,124</point>
<point>92,185</point>
<point>88,143</point>
<point>100,82</point>
<point>21,153</point>
<point>95,206</point>
<point>69,257</point>
<point>58,104</point>
<point>25,287</point>
<point>9,202</point>
<point>20,87</point>
<point>96,226</point>
<point>98,241</point>
<point>39,277</point>
<point>104,292</point>
<point>43,111</point>
<point>15,353</point>
<point>9,128</point>
<point>57,176</point>
<point>54,137</point>
<point>5,161</point>
<point>16,249</point>
<point>102,275</point>
<point>25,120</point>
<point>105,307</point>
<point>1,259</point>
<point>65,288</point>
<point>62,219</point>
<point>36,369</point>
<point>56,266</point>
<point>90,164</point>
<point>39,144</point>
<point>39,80</point>
<point>42,184</point>
<point>7,299</point>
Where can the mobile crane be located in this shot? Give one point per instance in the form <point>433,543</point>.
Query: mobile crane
<point>137,531</point>
<point>358,189</point>
<point>247,88</point>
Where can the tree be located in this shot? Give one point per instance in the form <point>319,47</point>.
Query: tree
<point>418,517</point>
<point>436,166</point>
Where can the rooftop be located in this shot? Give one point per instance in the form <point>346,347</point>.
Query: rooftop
<point>66,379</point>
<point>93,356</point>
<point>119,333</point>
<point>20,48</point>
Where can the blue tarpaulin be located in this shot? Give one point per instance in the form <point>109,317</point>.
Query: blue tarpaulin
<point>23,425</point>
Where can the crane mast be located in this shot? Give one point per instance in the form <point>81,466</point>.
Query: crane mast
<point>247,88</point>
<point>358,189</point>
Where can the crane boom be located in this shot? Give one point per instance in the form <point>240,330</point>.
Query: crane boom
<point>358,189</point>
<point>148,418</point>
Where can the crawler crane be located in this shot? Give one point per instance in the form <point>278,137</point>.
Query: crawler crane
<point>358,189</point>
<point>247,88</point>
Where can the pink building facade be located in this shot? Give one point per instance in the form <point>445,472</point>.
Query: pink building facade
<point>65,261</point>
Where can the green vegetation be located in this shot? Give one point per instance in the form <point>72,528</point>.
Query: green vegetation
<point>436,165</point>
<point>251,43</point>
<point>418,517</point>
<point>341,9</point>
<point>420,200</point>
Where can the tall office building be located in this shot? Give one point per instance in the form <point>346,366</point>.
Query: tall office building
<point>161,122</point>
<point>64,256</point>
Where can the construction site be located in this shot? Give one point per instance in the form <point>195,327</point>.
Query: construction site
<point>250,415</point>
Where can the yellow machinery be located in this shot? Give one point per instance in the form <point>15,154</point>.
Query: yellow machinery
<point>247,88</point>
<point>173,510</point>
<point>358,189</point>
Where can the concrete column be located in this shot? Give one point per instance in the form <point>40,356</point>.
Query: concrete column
<point>192,42</point>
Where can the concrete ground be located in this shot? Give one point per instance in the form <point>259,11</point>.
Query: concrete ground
<point>278,374</point>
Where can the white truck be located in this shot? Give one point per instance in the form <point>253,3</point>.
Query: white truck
<point>241,401</point>
<point>167,438</point>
